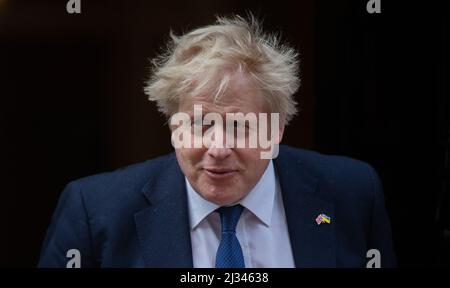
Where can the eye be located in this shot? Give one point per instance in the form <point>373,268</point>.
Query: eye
<point>242,124</point>
<point>197,123</point>
<point>206,126</point>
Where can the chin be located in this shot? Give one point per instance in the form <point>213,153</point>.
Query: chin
<point>221,197</point>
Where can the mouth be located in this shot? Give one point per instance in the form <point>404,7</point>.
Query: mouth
<point>220,173</point>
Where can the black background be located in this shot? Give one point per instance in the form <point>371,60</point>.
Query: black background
<point>374,87</point>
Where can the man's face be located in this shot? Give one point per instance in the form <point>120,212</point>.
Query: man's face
<point>224,175</point>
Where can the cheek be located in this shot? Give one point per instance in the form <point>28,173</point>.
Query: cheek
<point>253,162</point>
<point>251,156</point>
<point>189,158</point>
<point>249,159</point>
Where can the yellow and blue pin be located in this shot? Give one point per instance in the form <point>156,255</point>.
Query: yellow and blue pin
<point>323,218</point>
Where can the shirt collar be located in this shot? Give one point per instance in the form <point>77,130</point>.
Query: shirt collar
<point>259,201</point>
<point>199,207</point>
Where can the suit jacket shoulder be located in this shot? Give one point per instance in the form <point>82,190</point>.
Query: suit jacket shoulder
<point>350,191</point>
<point>340,177</point>
<point>95,215</point>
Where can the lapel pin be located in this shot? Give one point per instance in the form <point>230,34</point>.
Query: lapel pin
<point>322,218</point>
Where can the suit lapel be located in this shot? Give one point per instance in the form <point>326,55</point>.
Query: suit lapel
<point>163,227</point>
<point>312,244</point>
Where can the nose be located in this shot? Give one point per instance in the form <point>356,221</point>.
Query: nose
<point>219,152</point>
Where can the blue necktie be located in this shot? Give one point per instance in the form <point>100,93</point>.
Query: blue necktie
<point>229,254</point>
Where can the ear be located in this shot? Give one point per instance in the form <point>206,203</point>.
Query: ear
<point>281,129</point>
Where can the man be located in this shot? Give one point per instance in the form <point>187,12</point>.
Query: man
<point>214,202</point>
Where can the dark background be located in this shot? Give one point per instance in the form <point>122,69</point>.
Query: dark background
<point>374,87</point>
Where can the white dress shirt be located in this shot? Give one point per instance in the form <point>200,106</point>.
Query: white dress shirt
<point>262,229</point>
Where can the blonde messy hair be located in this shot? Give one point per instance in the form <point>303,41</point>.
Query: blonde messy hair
<point>200,62</point>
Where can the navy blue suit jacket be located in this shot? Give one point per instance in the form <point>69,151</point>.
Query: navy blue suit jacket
<point>138,216</point>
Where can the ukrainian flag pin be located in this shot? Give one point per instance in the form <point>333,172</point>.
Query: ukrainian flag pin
<point>322,218</point>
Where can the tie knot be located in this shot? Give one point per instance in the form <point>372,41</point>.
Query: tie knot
<point>229,217</point>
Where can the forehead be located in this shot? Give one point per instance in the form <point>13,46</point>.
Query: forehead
<point>240,95</point>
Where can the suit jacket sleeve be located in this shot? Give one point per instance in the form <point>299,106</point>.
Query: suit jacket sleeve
<point>380,233</point>
<point>69,229</point>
